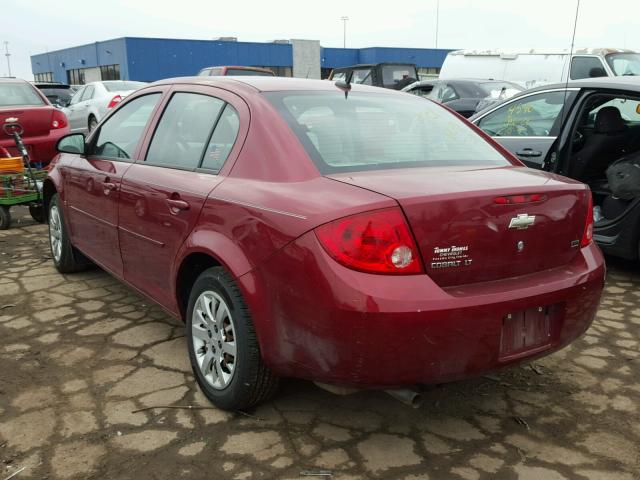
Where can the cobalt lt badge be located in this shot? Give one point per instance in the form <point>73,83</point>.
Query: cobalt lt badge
<point>522,221</point>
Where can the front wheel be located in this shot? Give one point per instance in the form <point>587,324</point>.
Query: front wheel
<point>65,257</point>
<point>5,218</point>
<point>223,348</point>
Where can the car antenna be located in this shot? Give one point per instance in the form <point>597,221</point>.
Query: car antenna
<point>345,84</point>
<point>566,84</point>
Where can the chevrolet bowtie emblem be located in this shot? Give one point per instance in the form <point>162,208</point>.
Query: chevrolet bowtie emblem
<point>522,221</point>
<point>10,120</point>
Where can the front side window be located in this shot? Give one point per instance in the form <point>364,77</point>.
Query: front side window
<point>184,130</point>
<point>13,94</point>
<point>532,116</point>
<point>119,136</point>
<point>449,93</point>
<point>373,131</point>
<point>586,67</point>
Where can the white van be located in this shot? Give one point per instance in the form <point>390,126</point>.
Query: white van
<point>533,67</point>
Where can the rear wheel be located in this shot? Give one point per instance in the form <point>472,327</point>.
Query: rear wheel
<point>5,218</point>
<point>223,348</point>
<point>65,257</point>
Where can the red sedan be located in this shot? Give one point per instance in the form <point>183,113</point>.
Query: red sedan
<point>349,235</point>
<point>43,124</point>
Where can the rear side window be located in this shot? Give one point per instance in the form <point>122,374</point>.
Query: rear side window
<point>586,67</point>
<point>371,131</point>
<point>18,94</point>
<point>184,130</point>
<point>244,73</point>
<point>119,135</point>
<point>88,93</point>
<point>222,140</point>
<point>394,76</point>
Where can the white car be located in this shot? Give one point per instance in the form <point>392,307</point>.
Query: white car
<point>93,101</point>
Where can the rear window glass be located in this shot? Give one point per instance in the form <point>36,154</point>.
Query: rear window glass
<point>398,76</point>
<point>369,131</point>
<point>253,73</point>
<point>118,86</point>
<point>16,94</point>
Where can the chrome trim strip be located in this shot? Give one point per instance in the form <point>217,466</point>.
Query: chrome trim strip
<point>148,239</point>
<point>92,216</point>
<point>258,207</point>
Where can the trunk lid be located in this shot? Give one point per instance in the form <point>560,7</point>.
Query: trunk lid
<point>35,120</point>
<point>464,236</point>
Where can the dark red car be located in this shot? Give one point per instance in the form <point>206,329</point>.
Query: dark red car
<point>43,124</point>
<point>356,237</point>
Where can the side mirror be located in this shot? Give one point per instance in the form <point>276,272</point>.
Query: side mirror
<point>597,72</point>
<point>73,143</point>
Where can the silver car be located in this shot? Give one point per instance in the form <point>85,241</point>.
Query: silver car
<point>93,101</point>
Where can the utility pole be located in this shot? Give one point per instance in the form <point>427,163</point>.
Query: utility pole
<point>437,20</point>
<point>7,54</point>
<point>344,31</point>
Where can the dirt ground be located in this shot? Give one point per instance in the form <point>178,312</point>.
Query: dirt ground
<point>81,354</point>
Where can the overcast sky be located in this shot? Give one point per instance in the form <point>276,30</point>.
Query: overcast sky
<point>35,26</point>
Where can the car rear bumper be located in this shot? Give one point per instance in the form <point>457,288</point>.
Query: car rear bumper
<point>318,320</point>
<point>41,148</point>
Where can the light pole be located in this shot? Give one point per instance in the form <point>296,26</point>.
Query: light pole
<point>7,54</point>
<point>344,31</point>
<point>437,20</point>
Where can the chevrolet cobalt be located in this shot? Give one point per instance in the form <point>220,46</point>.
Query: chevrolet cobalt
<point>349,235</point>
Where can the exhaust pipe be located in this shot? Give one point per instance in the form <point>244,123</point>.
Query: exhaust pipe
<point>406,396</point>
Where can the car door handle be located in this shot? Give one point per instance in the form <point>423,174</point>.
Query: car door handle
<point>176,204</point>
<point>527,152</point>
<point>109,187</point>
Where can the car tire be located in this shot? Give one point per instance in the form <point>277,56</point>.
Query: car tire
<point>37,213</point>
<point>66,258</point>
<point>5,218</point>
<point>92,124</point>
<point>218,322</point>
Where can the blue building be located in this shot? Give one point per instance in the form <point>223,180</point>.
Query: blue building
<point>149,59</point>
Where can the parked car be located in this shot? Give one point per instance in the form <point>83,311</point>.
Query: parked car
<point>395,76</point>
<point>58,94</point>
<point>376,241</point>
<point>532,68</point>
<point>93,101</point>
<point>465,96</point>
<point>578,129</point>
<point>235,71</point>
<point>43,124</point>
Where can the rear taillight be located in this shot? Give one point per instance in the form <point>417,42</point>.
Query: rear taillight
<point>587,236</point>
<point>59,120</point>
<point>373,242</point>
<point>520,199</point>
<point>114,101</point>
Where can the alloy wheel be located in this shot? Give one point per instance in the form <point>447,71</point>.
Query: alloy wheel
<point>214,339</point>
<point>55,232</point>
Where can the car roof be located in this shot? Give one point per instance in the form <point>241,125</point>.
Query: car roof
<point>268,84</point>
<point>619,83</point>
<point>12,80</point>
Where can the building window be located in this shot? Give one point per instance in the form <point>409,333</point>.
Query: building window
<point>76,76</point>
<point>43,77</point>
<point>110,72</point>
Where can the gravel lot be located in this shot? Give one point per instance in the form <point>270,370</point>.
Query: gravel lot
<point>79,354</point>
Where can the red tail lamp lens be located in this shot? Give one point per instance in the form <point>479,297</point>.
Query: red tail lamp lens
<point>373,242</point>
<point>519,199</point>
<point>114,101</point>
<point>587,236</point>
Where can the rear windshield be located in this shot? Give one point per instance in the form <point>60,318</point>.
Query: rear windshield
<point>118,86</point>
<point>17,94</point>
<point>370,131</point>
<point>252,73</point>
